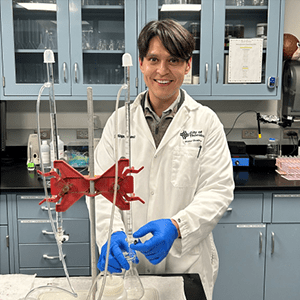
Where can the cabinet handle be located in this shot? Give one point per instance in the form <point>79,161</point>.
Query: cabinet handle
<point>49,232</point>
<point>46,208</point>
<point>206,72</point>
<point>273,243</point>
<point>46,256</point>
<point>260,242</point>
<point>64,69</point>
<point>218,72</point>
<point>76,72</point>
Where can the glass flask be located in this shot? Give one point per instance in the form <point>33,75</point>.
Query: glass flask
<point>132,282</point>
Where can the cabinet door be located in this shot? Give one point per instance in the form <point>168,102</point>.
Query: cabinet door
<point>242,21</point>
<point>282,262</point>
<point>241,252</point>
<point>27,30</point>
<point>199,23</point>
<point>4,260</point>
<point>101,32</point>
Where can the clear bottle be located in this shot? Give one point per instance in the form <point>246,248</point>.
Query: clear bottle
<point>45,154</point>
<point>114,289</point>
<point>60,147</point>
<point>272,148</point>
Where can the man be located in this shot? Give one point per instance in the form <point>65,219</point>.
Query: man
<point>187,181</point>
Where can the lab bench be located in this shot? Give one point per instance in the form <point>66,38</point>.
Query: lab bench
<point>255,238</point>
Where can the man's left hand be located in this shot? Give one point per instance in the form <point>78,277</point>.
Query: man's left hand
<point>156,248</point>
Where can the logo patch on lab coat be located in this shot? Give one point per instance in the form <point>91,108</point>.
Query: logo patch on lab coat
<point>193,136</point>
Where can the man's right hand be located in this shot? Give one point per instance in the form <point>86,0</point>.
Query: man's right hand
<point>116,261</point>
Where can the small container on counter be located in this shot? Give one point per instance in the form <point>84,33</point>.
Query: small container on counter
<point>272,148</point>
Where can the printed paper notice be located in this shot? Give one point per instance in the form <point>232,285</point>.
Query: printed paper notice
<point>245,60</point>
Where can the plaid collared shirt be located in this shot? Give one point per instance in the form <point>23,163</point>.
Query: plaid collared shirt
<point>159,125</point>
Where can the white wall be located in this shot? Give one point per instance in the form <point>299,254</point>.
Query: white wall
<point>72,115</point>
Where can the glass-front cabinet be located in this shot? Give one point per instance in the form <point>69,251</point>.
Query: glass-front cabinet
<point>238,51</point>
<point>88,38</point>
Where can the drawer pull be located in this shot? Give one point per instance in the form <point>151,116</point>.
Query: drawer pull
<point>46,232</point>
<point>46,256</point>
<point>273,243</point>
<point>46,208</point>
<point>260,242</point>
<point>49,232</point>
<point>229,209</point>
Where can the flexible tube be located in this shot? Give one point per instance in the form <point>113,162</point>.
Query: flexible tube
<point>124,86</point>
<point>59,245</point>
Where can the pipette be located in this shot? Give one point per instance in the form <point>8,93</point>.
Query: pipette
<point>132,282</point>
<point>127,63</point>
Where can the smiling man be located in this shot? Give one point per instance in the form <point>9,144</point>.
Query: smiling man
<point>187,180</point>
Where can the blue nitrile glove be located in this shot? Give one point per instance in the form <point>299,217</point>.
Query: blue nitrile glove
<point>156,248</point>
<point>116,261</point>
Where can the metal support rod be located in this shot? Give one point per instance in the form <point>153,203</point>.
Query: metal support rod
<point>92,183</point>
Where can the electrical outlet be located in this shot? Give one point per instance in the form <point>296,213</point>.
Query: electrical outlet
<point>249,134</point>
<point>45,134</point>
<point>286,131</point>
<point>82,134</point>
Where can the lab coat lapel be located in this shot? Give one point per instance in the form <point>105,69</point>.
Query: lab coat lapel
<point>175,126</point>
<point>141,126</point>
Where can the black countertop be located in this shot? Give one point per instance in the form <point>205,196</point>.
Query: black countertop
<point>15,176</point>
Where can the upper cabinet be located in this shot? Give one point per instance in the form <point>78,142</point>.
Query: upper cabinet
<point>238,46</point>
<point>88,38</point>
<point>238,54</point>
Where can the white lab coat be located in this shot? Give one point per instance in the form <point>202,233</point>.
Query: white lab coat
<point>177,181</point>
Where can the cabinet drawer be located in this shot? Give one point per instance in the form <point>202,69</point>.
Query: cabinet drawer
<point>245,208</point>
<point>40,231</point>
<point>76,255</point>
<point>286,208</point>
<point>28,207</point>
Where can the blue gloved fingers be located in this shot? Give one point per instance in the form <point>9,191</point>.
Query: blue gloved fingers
<point>113,266</point>
<point>120,258</point>
<point>145,247</point>
<point>147,228</point>
<point>116,261</point>
<point>156,248</point>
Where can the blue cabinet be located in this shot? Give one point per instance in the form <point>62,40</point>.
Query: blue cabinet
<point>240,241</point>
<point>283,244</point>
<point>257,241</point>
<point>88,41</point>
<point>32,245</point>
<point>89,38</point>
<point>4,237</point>
<point>210,59</point>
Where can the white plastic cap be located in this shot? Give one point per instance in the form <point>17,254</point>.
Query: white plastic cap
<point>126,60</point>
<point>49,57</point>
